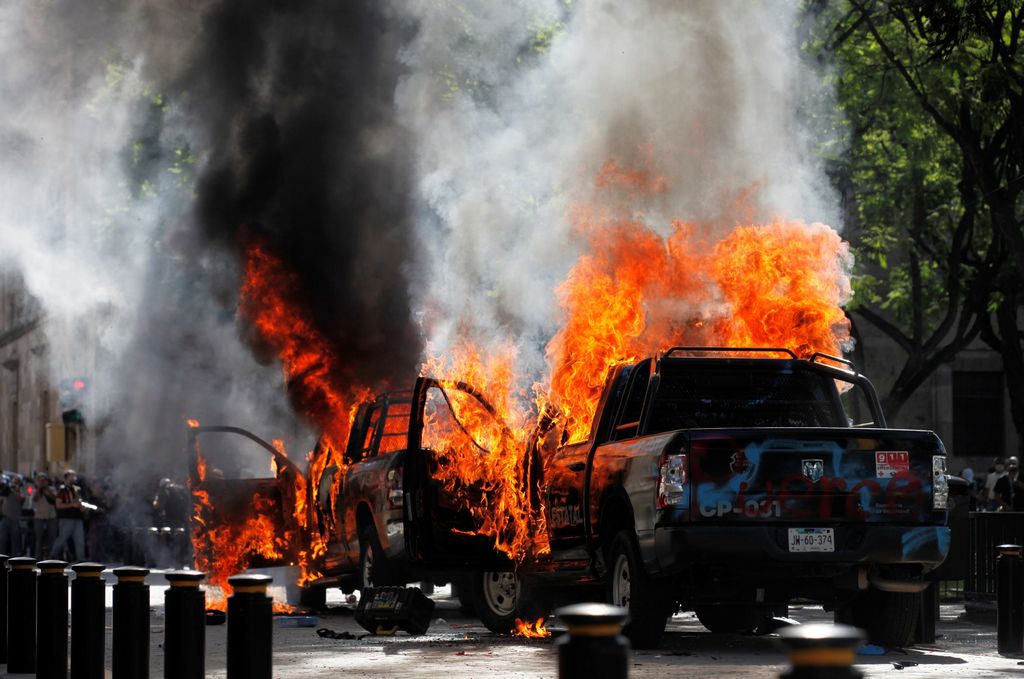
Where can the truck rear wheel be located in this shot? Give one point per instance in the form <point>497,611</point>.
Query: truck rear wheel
<point>500,597</point>
<point>630,587</point>
<point>889,618</point>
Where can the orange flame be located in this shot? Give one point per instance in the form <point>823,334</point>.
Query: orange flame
<point>634,291</point>
<point>224,549</point>
<point>531,630</point>
<point>269,297</point>
<point>637,293</point>
<point>482,454</point>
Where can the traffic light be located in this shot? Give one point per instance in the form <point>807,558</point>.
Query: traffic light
<point>72,399</point>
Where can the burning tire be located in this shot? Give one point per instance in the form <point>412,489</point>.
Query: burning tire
<point>630,587</point>
<point>500,597</point>
<point>374,568</point>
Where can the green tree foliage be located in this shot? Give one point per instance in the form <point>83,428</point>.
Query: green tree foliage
<point>931,92</point>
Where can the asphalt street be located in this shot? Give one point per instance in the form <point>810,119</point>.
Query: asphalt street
<point>459,647</point>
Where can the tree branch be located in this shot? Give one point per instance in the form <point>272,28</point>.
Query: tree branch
<point>918,92</point>
<point>894,333</point>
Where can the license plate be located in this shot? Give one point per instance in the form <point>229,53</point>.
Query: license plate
<point>812,540</point>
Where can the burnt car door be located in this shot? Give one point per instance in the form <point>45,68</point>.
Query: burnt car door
<point>373,477</point>
<point>459,473</point>
<point>243,499</point>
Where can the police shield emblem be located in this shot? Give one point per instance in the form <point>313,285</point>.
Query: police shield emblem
<point>813,469</point>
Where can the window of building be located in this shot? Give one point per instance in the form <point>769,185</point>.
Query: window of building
<point>978,427</point>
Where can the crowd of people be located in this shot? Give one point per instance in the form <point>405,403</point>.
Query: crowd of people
<point>72,519</point>
<point>1000,489</point>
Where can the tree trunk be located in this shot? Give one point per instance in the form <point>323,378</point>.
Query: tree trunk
<point>1013,357</point>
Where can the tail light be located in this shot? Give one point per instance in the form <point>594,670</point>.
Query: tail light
<point>673,477</point>
<point>395,488</point>
<point>940,484</point>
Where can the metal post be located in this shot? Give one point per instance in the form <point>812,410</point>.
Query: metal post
<point>131,624</point>
<point>821,651</point>
<point>1009,600</point>
<point>3,607</point>
<point>88,621</point>
<point>184,626</point>
<point>52,621</point>
<point>21,615</point>
<point>250,631</point>
<point>594,648</point>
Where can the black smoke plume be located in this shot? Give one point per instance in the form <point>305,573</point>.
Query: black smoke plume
<point>295,100</point>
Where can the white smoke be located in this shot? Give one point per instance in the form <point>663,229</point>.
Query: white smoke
<point>95,201</point>
<point>517,106</point>
<point>513,108</point>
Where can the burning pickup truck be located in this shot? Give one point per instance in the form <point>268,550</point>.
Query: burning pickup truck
<point>730,482</point>
<point>724,481</point>
<point>342,519</point>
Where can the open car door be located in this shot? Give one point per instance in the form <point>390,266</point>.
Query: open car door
<point>464,481</point>
<point>243,499</point>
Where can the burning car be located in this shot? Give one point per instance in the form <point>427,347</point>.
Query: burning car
<point>342,519</point>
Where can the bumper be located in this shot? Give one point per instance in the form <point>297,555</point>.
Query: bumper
<point>678,547</point>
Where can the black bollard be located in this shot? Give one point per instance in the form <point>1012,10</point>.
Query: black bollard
<point>88,620</point>
<point>131,624</point>
<point>821,651</point>
<point>3,607</point>
<point>250,631</point>
<point>1009,600</point>
<point>52,621</point>
<point>21,615</point>
<point>594,648</point>
<point>184,626</point>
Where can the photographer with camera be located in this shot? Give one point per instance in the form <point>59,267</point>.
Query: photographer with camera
<point>45,518</point>
<point>10,524</point>
<point>70,518</point>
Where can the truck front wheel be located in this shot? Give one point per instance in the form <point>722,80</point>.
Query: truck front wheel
<point>500,597</point>
<point>630,587</point>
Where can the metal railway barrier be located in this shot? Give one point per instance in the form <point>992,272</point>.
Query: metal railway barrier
<point>987,530</point>
<point>40,644</point>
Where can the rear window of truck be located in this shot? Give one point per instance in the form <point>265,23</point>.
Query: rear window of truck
<point>694,396</point>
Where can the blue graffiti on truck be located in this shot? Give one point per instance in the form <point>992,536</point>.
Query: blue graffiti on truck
<point>848,487</point>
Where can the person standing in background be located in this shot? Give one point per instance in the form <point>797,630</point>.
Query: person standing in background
<point>45,520</point>
<point>1010,488</point>
<point>995,472</point>
<point>70,518</point>
<point>13,503</point>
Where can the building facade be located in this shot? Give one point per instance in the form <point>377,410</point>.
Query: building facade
<point>41,423</point>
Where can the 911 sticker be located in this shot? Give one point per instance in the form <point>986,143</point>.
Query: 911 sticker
<point>889,463</point>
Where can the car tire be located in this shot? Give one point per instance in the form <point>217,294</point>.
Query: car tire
<point>500,597</point>
<point>889,618</point>
<point>463,592</point>
<point>629,586</point>
<point>313,597</point>
<point>728,619</point>
<point>374,569</point>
